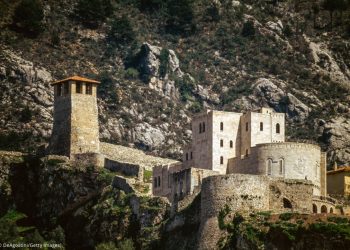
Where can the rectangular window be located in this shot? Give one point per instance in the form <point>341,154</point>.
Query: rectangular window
<point>221,143</point>
<point>246,126</point>
<point>78,88</point>
<point>66,88</point>
<point>89,89</point>
<point>59,89</point>
<point>221,160</point>
<point>221,126</point>
<point>191,156</point>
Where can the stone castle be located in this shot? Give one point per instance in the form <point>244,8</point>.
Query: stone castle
<point>239,159</point>
<point>245,155</point>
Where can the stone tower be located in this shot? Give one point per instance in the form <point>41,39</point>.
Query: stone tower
<point>75,129</point>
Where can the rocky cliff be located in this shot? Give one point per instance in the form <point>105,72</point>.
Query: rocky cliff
<point>161,62</point>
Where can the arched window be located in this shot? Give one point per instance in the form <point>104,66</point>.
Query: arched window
<point>331,210</point>
<point>221,160</point>
<point>281,166</point>
<point>261,126</point>
<point>314,208</point>
<point>200,127</point>
<point>277,128</point>
<point>203,127</point>
<point>269,166</point>
<point>323,209</point>
<point>287,203</point>
<point>231,144</point>
<point>221,143</point>
<point>221,126</point>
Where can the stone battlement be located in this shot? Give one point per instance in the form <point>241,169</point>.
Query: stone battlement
<point>278,145</point>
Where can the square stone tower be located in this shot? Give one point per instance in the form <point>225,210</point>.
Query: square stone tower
<point>215,139</point>
<point>264,126</point>
<point>75,128</point>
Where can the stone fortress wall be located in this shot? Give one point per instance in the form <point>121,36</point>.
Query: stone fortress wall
<point>289,160</point>
<point>247,193</point>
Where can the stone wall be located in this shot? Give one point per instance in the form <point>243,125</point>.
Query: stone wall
<point>299,161</point>
<point>246,193</point>
<point>123,168</point>
<point>60,137</point>
<point>84,124</point>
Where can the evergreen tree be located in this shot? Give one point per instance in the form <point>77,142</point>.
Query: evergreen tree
<point>180,17</point>
<point>92,12</point>
<point>28,17</point>
<point>333,5</point>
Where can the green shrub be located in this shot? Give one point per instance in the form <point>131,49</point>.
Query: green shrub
<point>28,17</point>
<point>287,30</point>
<point>238,90</point>
<point>186,87</point>
<point>180,17</point>
<point>92,12</point>
<point>131,73</point>
<point>147,176</point>
<point>106,246</point>
<point>196,107</point>
<point>121,32</point>
<point>286,216</point>
<point>164,62</point>
<point>338,220</point>
<point>248,29</point>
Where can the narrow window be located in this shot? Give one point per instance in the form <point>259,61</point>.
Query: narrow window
<point>155,181</point>
<point>261,126</point>
<point>221,126</point>
<point>169,185</point>
<point>59,89</point>
<point>277,128</point>
<point>221,143</point>
<point>231,144</point>
<point>246,126</point>
<point>66,88</point>
<point>191,156</point>
<point>89,89</point>
<point>246,153</point>
<point>78,88</point>
<point>186,156</point>
<point>221,160</point>
<point>203,126</point>
<point>281,165</point>
<point>158,181</point>
<point>269,167</point>
<point>200,127</point>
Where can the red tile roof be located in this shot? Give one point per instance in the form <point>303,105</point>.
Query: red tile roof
<point>76,78</point>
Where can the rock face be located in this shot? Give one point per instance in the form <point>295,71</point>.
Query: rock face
<point>336,134</point>
<point>155,65</point>
<point>280,99</point>
<point>148,137</point>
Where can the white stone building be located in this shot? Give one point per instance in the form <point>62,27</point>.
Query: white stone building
<point>240,143</point>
